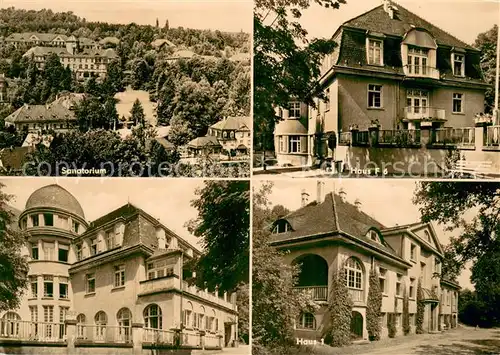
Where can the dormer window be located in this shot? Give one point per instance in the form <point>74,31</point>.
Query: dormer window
<point>294,111</point>
<point>282,226</point>
<point>373,235</point>
<point>458,64</point>
<point>375,48</point>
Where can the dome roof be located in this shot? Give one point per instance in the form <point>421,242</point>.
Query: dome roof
<point>54,196</point>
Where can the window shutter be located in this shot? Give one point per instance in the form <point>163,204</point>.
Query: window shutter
<point>303,144</point>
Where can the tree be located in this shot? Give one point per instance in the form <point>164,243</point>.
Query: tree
<point>406,313</point>
<point>137,113</point>
<point>165,97</point>
<point>275,301</point>
<point>13,266</point>
<point>114,78</point>
<point>419,322</point>
<point>374,306</point>
<point>286,63</point>
<point>140,72</point>
<point>486,42</point>
<point>111,113</point>
<point>90,114</point>
<point>340,305</point>
<point>222,224</point>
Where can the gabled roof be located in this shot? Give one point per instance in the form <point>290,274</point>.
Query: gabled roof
<point>112,40</point>
<point>377,20</point>
<point>412,228</point>
<point>202,142</point>
<point>41,113</point>
<point>161,42</point>
<point>332,216</point>
<point>26,36</point>
<point>233,123</point>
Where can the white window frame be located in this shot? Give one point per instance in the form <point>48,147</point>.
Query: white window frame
<point>110,239</point>
<point>294,107</point>
<point>294,140</point>
<point>48,280</point>
<point>382,275</point>
<point>457,96</point>
<point>412,295</point>
<point>94,243</point>
<point>303,322</point>
<point>421,54</point>
<point>399,285</point>
<point>375,89</point>
<point>371,49</point>
<point>88,278</point>
<point>119,279</point>
<point>79,251</point>
<point>354,273</point>
<point>455,58</point>
<point>412,95</point>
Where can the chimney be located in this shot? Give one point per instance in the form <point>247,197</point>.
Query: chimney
<point>357,203</point>
<point>320,186</point>
<point>304,196</point>
<point>342,194</point>
<point>388,8</point>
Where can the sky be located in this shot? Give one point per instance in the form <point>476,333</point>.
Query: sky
<point>223,15</point>
<point>388,201</point>
<point>165,199</point>
<point>464,19</point>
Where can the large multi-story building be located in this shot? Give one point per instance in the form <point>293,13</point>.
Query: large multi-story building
<point>330,233</point>
<point>123,268</point>
<point>391,69</point>
<point>32,39</point>
<point>233,133</point>
<point>84,62</point>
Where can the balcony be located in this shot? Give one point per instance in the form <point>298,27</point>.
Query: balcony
<point>421,71</point>
<point>33,331</point>
<point>462,137</point>
<point>318,293</point>
<point>399,137</point>
<point>425,113</point>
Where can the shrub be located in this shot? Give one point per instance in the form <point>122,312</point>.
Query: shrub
<point>373,306</point>
<point>391,324</point>
<point>406,313</point>
<point>420,308</point>
<point>338,332</point>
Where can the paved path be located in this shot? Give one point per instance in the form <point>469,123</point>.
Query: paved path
<point>460,341</point>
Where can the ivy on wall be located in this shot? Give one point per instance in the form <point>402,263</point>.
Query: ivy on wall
<point>406,313</point>
<point>420,308</point>
<point>373,306</point>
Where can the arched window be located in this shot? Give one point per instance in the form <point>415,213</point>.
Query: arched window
<point>354,274</point>
<point>201,318</point>
<point>10,324</point>
<point>306,321</point>
<point>80,328</point>
<point>152,317</point>
<point>188,315</point>
<point>100,320</point>
<point>124,318</point>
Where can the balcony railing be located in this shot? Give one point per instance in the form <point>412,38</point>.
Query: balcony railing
<point>35,331</point>
<point>345,138</point>
<point>421,71</point>
<point>424,113</point>
<point>492,136</point>
<point>318,293</point>
<point>360,137</point>
<point>103,333</point>
<point>399,137</point>
<point>191,339</point>
<point>453,136</point>
<point>356,295</point>
<point>156,336</point>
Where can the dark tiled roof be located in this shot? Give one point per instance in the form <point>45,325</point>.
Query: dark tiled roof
<point>206,141</point>
<point>39,113</point>
<point>332,216</point>
<point>57,197</point>
<point>377,20</point>
<point>124,211</point>
<point>233,123</point>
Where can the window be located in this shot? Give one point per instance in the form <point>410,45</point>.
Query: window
<point>93,246</point>
<point>417,101</point>
<point>34,252</point>
<point>119,275</point>
<point>48,251</point>
<point>383,279</point>
<point>34,313</point>
<point>374,96</point>
<point>160,268</point>
<point>63,311</point>
<point>417,60</point>
<point>48,317</point>
<point>124,318</point>
<point>100,320</point>
<point>79,254</point>
<point>110,239</point>
<point>75,227</point>
<point>63,289</point>
<point>458,64</point>
<point>80,329</point>
<point>412,288</point>
<point>48,219</point>
<point>152,317</point>
<point>306,321</point>
<point>458,106</point>
<point>201,318</point>
<point>34,220</point>
<point>398,285</point>
<point>10,323</point>
<point>294,111</point>
<point>294,144</point>
<point>375,54</point>
<point>354,274</point>
<point>90,282</point>
<point>48,286</point>
<point>282,226</point>
<point>413,252</point>
<point>24,221</point>
<point>63,253</point>
<point>34,286</point>
<point>282,145</point>
<point>373,235</point>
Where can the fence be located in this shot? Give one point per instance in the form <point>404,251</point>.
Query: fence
<point>399,137</point>
<point>151,335</point>
<point>103,333</point>
<point>318,293</point>
<point>453,136</point>
<point>36,331</point>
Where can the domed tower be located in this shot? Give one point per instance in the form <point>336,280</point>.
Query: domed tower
<point>51,219</point>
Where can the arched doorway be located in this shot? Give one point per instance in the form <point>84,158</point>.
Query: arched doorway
<point>356,325</point>
<point>313,275</point>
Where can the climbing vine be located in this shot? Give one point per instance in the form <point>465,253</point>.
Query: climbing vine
<point>406,313</point>
<point>373,306</point>
<point>420,308</point>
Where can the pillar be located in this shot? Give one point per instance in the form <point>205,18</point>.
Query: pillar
<point>202,339</point>
<point>137,336</point>
<point>70,334</point>
<point>479,137</point>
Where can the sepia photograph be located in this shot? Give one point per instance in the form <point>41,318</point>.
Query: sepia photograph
<point>127,266</point>
<point>376,88</point>
<point>125,88</point>
<point>375,267</point>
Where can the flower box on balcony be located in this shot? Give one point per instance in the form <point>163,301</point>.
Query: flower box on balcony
<point>483,119</point>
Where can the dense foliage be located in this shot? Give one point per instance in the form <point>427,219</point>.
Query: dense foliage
<point>391,324</point>
<point>486,42</point>
<point>286,63</point>
<point>419,322</point>
<point>338,332</point>
<point>13,266</point>
<point>373,306</point>
<point>406,313</point>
